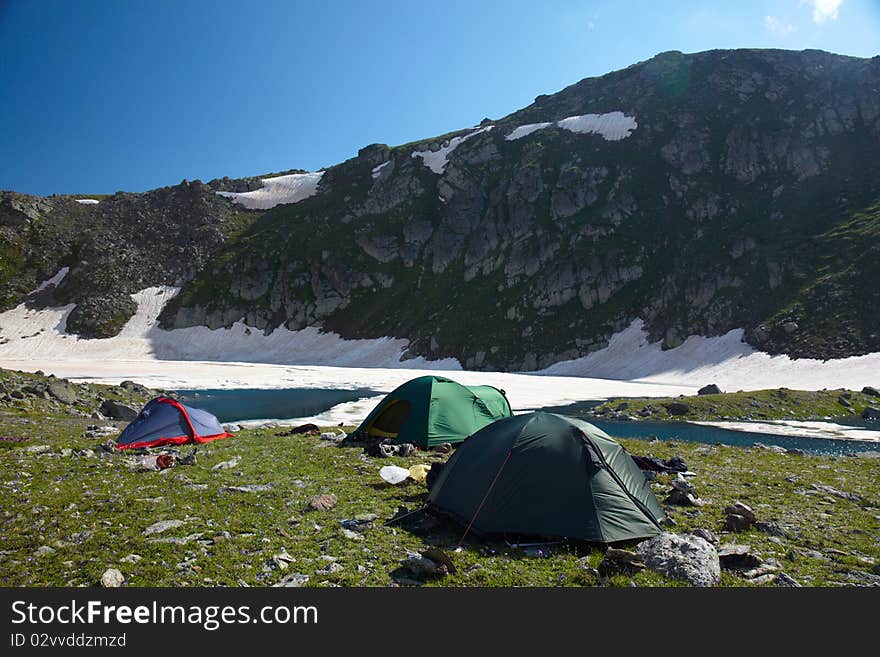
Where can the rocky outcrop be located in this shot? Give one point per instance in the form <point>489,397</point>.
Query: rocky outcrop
<point>745,197</point>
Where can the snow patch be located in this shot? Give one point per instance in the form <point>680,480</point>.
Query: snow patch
<point>805,429</point>
<point>612,126</point>
<point>87,201</point>
<point>437,160</point>
<point>724,360</point>
<point>54,281</point>
<point>377,170</point>
<point>525,130</point>
<point>276,191</point>
<point>40,334</point>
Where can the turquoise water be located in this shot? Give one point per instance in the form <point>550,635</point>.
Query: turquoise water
<point>257,404</point>
<point>254,404</point>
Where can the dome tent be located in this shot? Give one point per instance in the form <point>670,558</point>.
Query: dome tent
<point>544,474</point>
<point>165,421</point>
<point>431,410</point>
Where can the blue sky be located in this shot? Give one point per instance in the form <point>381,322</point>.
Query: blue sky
<point>107,95</point>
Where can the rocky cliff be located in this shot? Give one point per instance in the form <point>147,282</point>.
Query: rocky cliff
<point>699,192</point>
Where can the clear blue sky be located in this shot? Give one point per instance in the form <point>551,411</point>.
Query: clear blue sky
<point>105,95</point>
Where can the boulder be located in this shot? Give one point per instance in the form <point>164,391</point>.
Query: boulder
<point>741,509</point>
<point>63,391</point>
<point>871,391</point>
<point>684,556</point>
<point>710,389</point>
<point>117,410</point>
<point>870,414</point>
<point>733,556</point>
<point>678,408</point>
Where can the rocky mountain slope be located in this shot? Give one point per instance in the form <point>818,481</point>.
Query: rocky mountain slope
<point>699,193</point>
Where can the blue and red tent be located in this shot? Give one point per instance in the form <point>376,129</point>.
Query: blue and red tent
<point>165,421</point>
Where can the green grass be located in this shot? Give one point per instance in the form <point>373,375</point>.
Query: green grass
<point>51,499</point>
<point>778,404</point>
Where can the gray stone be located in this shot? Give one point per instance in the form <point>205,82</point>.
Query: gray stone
<point>685,556</point>
<point>117,410</point>
<point>293,580</point>
<point>870,413</point>
<point>112,578</point>
<point>163,526</point>
<point>63,391</point>
<point>710,389</point>
<point>871,391</point>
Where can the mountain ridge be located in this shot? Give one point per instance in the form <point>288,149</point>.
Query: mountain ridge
<point>745,197</point>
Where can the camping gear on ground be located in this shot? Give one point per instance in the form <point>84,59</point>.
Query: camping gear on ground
<point>156,461</point>
<point>419,472</point>
<point>165,421</point>
<point>432,410</point>
<point>653,464</point>
<point>393,474</point>
<point>543,474</point>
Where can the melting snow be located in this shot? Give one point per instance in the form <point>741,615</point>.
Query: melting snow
<point>41,334</point>
<point>527,129</point>
<point>87,201</point>
<point>54,281</point>
<point>630,366</point>
<point>377,170</point>
<point>613,126</point>
<point>437,160</point>
<point>275,191</point>
<point>725,360</point>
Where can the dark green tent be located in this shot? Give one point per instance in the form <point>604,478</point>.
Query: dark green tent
<point>431,410</point>
<point>544,474</point>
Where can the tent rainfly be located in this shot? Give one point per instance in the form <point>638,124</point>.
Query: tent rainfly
<point>431,410</point>
<point>543,474</point>
<point>165,421</point>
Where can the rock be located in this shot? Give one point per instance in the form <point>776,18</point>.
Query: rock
<point>352,535</point>
<point>117,410</point>
<point>783,579</point>
<point>771,448</point>
<point>871,391</point>
<point>227,465</point>
<point>38,449</point>
<point>733,556</point>
<point>706,534</point>
<point>625,561</point>
<point>680,498</point>
<point>163,526</point>
<point>63,391</point>
<point>771,528</point>
<point>852,497</point>
<point>294,580</point>
<point>323,502</point>
<point>843,401</point>
<point>736,523</point>
<point>870,413</point>
<point>112,578</point>
<point>683,556</point>
<point>131,558</point>
<point>710,389</point>
<point>423,567</point>
<point>790,327</point>
<point>282,560</point>
<point>330,568</point>
<point>231,428</point>
<point>44,551</point>
<point>678,408</point>
<point>738,508</point>
<point>248,488</point>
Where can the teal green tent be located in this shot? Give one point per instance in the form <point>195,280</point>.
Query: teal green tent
<point>543,474</point>
<point>431,410</point>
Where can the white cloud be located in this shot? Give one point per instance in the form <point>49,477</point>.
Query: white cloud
<point>824,10</point>
<point>778,27</point>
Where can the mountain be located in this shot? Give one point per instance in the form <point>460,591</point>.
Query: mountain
<point>696,192</point>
